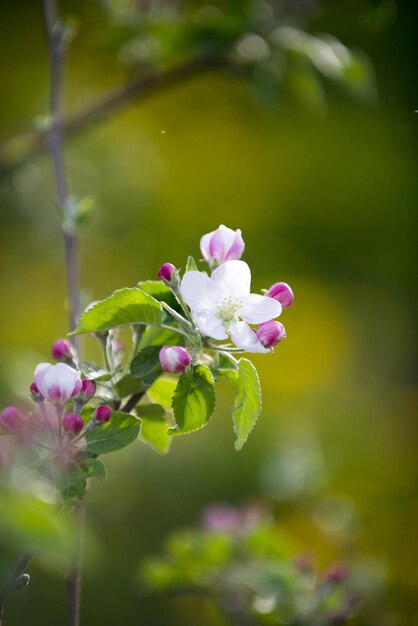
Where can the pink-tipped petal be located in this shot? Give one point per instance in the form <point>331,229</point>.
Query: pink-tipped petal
<point>236,251</point>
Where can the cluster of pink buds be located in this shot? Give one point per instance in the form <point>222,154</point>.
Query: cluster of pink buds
<point>56,389</point>
<point>221,305</point>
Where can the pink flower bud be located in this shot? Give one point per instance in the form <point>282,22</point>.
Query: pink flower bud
<point>174,359</point>
<point>222,244</point>
<point>88,388</point>
<point>72,423</point>
<point>35,393</point>
<point>167,272</point>
<point>103,413</point>
<point>11,420</point>
<point>282,293</point>
<point>271,333</point>
<point>61,350</point>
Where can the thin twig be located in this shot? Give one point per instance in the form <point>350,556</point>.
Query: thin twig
<point>132,402</point>
<point>137,89</point>
<point>54,144</point>
<point>74,576</point>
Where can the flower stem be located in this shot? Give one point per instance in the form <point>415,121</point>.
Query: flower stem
<point>74,576</point>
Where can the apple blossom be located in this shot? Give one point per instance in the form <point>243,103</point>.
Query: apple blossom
<point>271,333</point>
<point>174,359</point>
<point>222,244</point>
<point>283,293</point>
<point>222,304</point>
<point>72,423</point>
<point>103,413</point>
<point>57,383</point>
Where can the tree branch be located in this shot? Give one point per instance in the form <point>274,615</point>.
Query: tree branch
<point>36,141</point>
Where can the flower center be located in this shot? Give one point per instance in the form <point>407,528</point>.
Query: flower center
<point>227,311</point>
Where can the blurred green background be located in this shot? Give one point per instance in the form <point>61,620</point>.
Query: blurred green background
<point>325,199</point>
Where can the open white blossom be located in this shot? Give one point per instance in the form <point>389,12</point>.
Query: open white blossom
<point>57,383</point>
<point>222,304</point>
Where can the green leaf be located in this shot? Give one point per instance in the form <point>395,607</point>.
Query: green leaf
<point>227,369</point>
<point>162,391</point>
<point>154,336</point>
<point>127,386</point>
<point>150,410</point>
<point>117,433</point>
<point>160,291</point>
<point>196,339</point>
<point>191,265</point>
<point>193,400</point>
<point>146,362</point>
<point>248,402</point>
<point>87,413</point>
<point>229,374</point>
<point>123,308</point>
<point>71,484</point>
<point>92,371</point>
<point>154,433</point>
<point>94,469</point>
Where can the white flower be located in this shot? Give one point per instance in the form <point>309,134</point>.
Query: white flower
<point>222,244</point>
<point>57,383</point>
<point>219,304</point>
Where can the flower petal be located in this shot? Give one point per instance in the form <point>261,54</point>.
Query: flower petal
<point>198,291</point>
<point>39,377</point>
<point>237,248</point>
<point>258,309</point>
<point>244,337</point>
<point>204,245</point>
<point>233,278</point>
<point>209,324</point>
